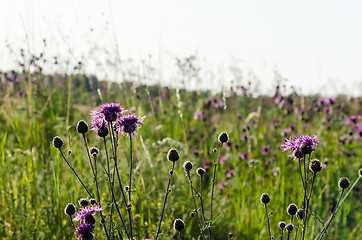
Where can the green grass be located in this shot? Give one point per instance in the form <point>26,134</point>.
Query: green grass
<point>37,184</point>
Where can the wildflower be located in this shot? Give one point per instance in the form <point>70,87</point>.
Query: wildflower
<point>222,160</point>
<point>85,231</point>
<point>304,144</point>
<point>222,185</point>
<point>265,198</point>
<point>284,132</point>
<point>83,202</point>
<point>315,166</point>
<point>94,150</point>
<point>128,124</point>
<point>343,183</point>
<point>300,213</point>
<point>353,119</point>
<point>108,112</point>
<point>289,227</point>
<point>178,225</point>
<point>230,173</point>
<point>100,126</point>
<point>265,150</point>
<point>244,156</point>
<point>83,212</point>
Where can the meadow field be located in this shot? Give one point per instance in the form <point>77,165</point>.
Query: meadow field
<point>37,184</point>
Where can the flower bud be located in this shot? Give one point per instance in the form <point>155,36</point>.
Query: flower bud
<point>172,155</point>
<point>178,225</point>
<point>187,165</point>
<point>289,227</point>
<point>223,137</point>
<point>343,183</point>
<point>94,150</point>
<point>282,225</point>
<point>70,209</point>
<point>315,165</point>
<point>265,198</point>
<point>200,171</point>
<point>57,142</point>
<point>300,213</point>
<point>82,127</point>
<point>83,202</point>
<point>292,209</point>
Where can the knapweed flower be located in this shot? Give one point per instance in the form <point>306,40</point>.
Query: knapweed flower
<point>83,212</point>
<point>229,174</point>
<point>100,126</point>
<point>108,111</point>
<point>244,156</point>
<point>128,124</point>
<point>304,144</point>
<point>85,231</point>
<point>265,150</point>
<point>353,119</point>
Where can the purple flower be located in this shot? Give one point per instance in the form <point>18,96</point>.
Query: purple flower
<point>304,144</point>
<point>222,185</point>
<point>83,212</point>
<point>108,112</point>
<point>320,102</point>
<point>292,127</point>
<point>278,100</point>
<point>99,125</point>
<point>298,111</point>
<point>85,231</point>
<point>222,160</point>
<point>128,124</point>
<point>244,156</point>
<point>229,174</point>
<point>330,101</point>
<point>265,150</point>
<point>284,132</point>
<point>352,119</point>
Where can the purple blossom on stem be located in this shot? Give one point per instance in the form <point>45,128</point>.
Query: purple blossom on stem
<point>303,143</point>
<point>99,125</point>
<point>353,119</point>
<point>108,112</point>
<point>128,124</point>
<point>85,231</point>
<point>222,185</point>
<point>244,156</point>
<point>265,150</point>
<point>230,173</point>
<point>83,212</point>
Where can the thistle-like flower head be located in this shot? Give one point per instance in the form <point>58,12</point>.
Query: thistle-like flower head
<point>128,124</point>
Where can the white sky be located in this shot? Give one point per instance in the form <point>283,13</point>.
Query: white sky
<point>312,43</point>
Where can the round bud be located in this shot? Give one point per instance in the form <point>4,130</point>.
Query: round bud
<point>89,219</point>
<point>57,142</point>
<point>69,152</point>
<point>172,155</point>
<point>265,198</point>
<point>178,225</point>
<point>93,201</point>
<point>103,132</point>
<point>82,127</point>
<point>360,172</point>
<point>292,209</point>
<point>94,150</point>
<point>271,213</point>
<point>200,171</point>
<point>83,202</point>
<point>214,150</point>
<point>170,172</point>
<point>343,183</point>
<point>192,214</point>
<point>282,225</point>
<point>223,137</point>
<point>187,165</point>
<point>126,188</point>
<point>315,165</point>
<point>69,209</point>
<point>300,213</point>
<point>230,235</point>
<point>289,227</point>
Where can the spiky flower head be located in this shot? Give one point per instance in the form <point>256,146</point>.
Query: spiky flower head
<point>187,165</point>
<point>70,209</point>
<point>128,124</point>
<point>173,155</point>
<point>292,209</point>
<point>85,231</point>
<point>94,150</point>
<point>108,111</point>
<point>315,165</point>
<point>100,126</point>
<point>82,127</point>
<point>304,144</point>
<point>83,212</point>
<point>265,198</point>
<point>57,142</point>
<point>178,225</point>
<point>282,224</point>
<point>223,137</point>
<point>343,183</point>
